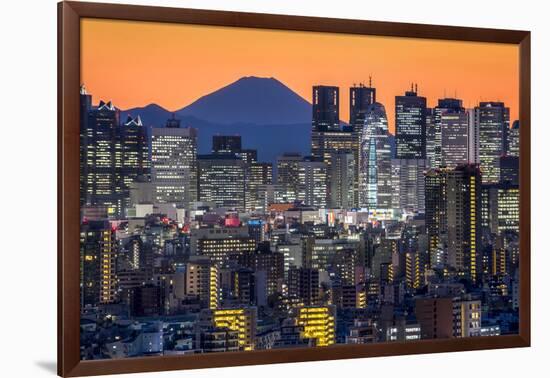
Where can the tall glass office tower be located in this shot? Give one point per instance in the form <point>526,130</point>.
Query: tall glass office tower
<point>375,160</point>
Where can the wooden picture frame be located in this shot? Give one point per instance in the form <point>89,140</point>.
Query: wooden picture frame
<point>69,15</point>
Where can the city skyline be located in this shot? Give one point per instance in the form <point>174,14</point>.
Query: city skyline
<point>472,71</point>
<point>254,220</point>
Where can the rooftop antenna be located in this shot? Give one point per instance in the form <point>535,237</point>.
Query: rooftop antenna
<point>412,87</point>
<point>416,87</point>
<point>370,81</point>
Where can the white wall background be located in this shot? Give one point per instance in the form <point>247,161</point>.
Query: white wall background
<point>28,185</point>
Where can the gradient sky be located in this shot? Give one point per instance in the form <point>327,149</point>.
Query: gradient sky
<point>137,63</point>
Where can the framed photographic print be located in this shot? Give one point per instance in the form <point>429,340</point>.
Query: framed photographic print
<point>239,188</point>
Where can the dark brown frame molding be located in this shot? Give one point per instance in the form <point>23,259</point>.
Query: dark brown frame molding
<point>69,15</point>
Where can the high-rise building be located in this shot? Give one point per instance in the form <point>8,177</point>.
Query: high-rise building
<point>201,281</point>
<point>269,270</point>
<point>324,144</point>
<point>241,320</point>
<point>410,126</point>
<point>375,161</point>
<point>259,175</point>
<point>414,269</point>
<point>85,108</point>
<point>242,286</point>
<point>342,180</point>
<point>98,252</point>
<point>222,180</point>
<point>443,105</point>
<point>318,324</point>
<point>174,164</point>
<point>513,140</point>
<point>326,108</point>
<point>100,156</point>
<point>360,98</point>
<point>303,284</point>
<point>454,124</point>
<point>453,219</point>
<point>500,207</point>
<point>436,209</point>
<point>312,177</point>
<point>220,248</point>
<point>230,144</point>
<point>288,175</point>
<point>431,138</point>
<point>135,156</point>
<point>473,138</point>
<point>408,185</point>
<point>492,123</point>
<point>509,169</point>
<point>463,202</point>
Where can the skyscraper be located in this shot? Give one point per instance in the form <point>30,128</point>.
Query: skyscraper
<point>410,126</point>
<point>443,105</point>
<point>326,108</point>
<point>135,155</point>
<point>509,169</point>
<point>513,140</point>
<point>453,121</point>
<point>287,174</point>
<point>473,138</point>
<point>463,202</point>
<point>343,169</point>
<point>436,221</point>
<point>222,180</point>
<point>501,207</point>
<point>174,163</point>
<point>85,108</point>
<point>492,123</point>
<point>430,138</point>
<point>408,185</point>
<point>324,144</point>
<point>259,175</point>
<point>101,156</point>
<point>375,160</point>
<point>312,177</point>
<point>360,98</point>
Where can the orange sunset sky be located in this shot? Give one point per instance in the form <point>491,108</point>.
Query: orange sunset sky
<point>137,63</point>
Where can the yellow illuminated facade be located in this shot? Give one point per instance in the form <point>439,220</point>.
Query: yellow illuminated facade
<point>213,298</point>
<point>318,324</point>
<point>242,320</point>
